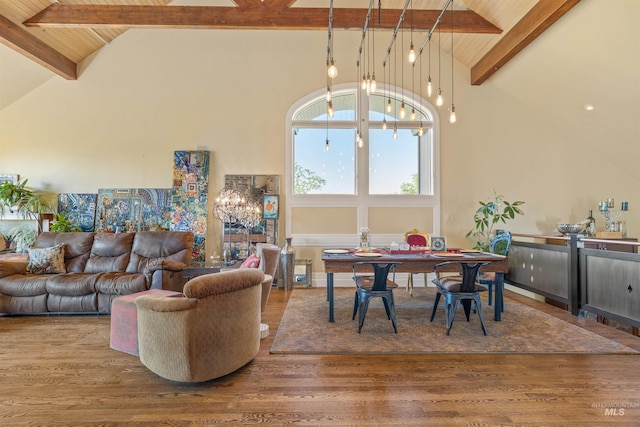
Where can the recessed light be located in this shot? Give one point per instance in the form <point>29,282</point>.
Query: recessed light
<point>589,107</point>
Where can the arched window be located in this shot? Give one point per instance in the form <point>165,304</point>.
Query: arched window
<point>394,165</point>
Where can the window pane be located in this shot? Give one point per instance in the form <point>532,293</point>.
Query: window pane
<point>317,171</point>
<point>393,163</point>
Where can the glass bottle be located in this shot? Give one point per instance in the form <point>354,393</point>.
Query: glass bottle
<point>591,224</point>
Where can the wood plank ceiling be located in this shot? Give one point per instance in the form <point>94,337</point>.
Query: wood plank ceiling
<point>60,34</point>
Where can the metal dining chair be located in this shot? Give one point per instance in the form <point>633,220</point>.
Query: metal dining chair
<point>456,290</point>
<point>378,285</point>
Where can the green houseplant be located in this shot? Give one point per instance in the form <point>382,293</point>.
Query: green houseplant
<point>19,199</point>
<point>24,235</point>
<point>490,213</point>
<point>62,224</point>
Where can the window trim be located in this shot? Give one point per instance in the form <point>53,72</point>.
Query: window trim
<point>362,202</point>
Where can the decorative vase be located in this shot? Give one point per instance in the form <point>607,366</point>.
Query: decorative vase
<point>288,259</point>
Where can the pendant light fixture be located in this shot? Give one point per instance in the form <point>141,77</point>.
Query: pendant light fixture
<point>429,85</point>
<point>332,70</point>
<point>384,95</point>
<point>395,83</point>
<point>452,111</point>
<point>439,100</point>
<point>420,129</point>
<point>412,52</point>
<point>403,113</point>
<point>326,143</point>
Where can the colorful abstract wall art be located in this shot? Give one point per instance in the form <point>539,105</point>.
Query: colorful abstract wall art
<point>79,209</point>
<point>189,198</point>
<point>133,209</point>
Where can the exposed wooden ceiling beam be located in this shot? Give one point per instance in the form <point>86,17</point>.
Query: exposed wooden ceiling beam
<point>534,23</point>
<point>265,17</point>
<point>30,46</point>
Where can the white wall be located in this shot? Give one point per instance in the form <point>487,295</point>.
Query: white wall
<point>523,132</point>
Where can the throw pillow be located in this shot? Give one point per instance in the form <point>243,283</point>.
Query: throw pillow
<point>46,260</point>
<point>251,262</point>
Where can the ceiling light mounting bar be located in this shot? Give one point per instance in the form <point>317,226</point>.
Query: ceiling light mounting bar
<point>330,32</point>
<point>364,29</point>
<point>395,32</point>
<point>435,25</point>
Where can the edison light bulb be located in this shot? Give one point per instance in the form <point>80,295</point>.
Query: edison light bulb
<point>395,132</point>
<point>374,85</point>
<point>420,131</point>
<point>326,145</point>
<point>328,94</point>
<point>429,88</point>
<point>452,114</point>
<point>389,105</point>
<point>402,112</point>
<point>412,54</point>
<point>384,124</point>
<point>332,70</point>
<point>363,86</point>
<point>330,109</point>
<point>413,114</point>
<point>439,100</point>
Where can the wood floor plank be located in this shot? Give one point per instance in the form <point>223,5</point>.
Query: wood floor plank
<point>59,370</point>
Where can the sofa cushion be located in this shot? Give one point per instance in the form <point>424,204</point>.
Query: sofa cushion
<point>149,246</point>
<point>110,252</point>
<point>252,262</point>
<point>46,260</point>
<point>76,250</point>
<point>20,285</point>
<point>72,304</point>
<point>121,283</point>
<point>72,284</point>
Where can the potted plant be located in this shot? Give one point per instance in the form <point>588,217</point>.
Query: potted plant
<point>490,213</point>
<point>6,240</point>
<point>61,224</point>
<point>19,199</point>
<point>24,235</point>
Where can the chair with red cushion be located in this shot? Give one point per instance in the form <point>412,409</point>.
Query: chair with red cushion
<point>416,239</point>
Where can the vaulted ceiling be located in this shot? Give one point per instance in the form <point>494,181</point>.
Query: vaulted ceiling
<point>61,34</point>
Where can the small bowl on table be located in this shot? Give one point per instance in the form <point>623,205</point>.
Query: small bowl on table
<point>571,228</point>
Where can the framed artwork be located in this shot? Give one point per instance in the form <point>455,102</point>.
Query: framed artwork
<point>438,244</point>
<point>8,178</point>
<point>270,206</point>
<point>80,209</point>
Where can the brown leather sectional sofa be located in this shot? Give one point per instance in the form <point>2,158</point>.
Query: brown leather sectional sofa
<point>99,267</point>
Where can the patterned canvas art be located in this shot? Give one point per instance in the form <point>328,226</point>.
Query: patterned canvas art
<point>189,198</point>
<point>79,209</point>
<point>133,209</point>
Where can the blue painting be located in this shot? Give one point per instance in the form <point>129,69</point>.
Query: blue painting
<point>189,198</point>
<point>79,209</point>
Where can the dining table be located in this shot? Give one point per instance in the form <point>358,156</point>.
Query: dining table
<point>414,261</point>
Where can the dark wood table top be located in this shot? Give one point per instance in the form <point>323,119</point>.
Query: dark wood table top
<point>413,262</point>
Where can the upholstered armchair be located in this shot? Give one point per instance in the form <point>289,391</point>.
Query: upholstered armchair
<point>209,333</point>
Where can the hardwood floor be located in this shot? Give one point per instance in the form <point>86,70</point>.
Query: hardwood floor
<point>59,370</point>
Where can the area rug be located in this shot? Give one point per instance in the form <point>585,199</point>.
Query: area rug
<point>305,329</point>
